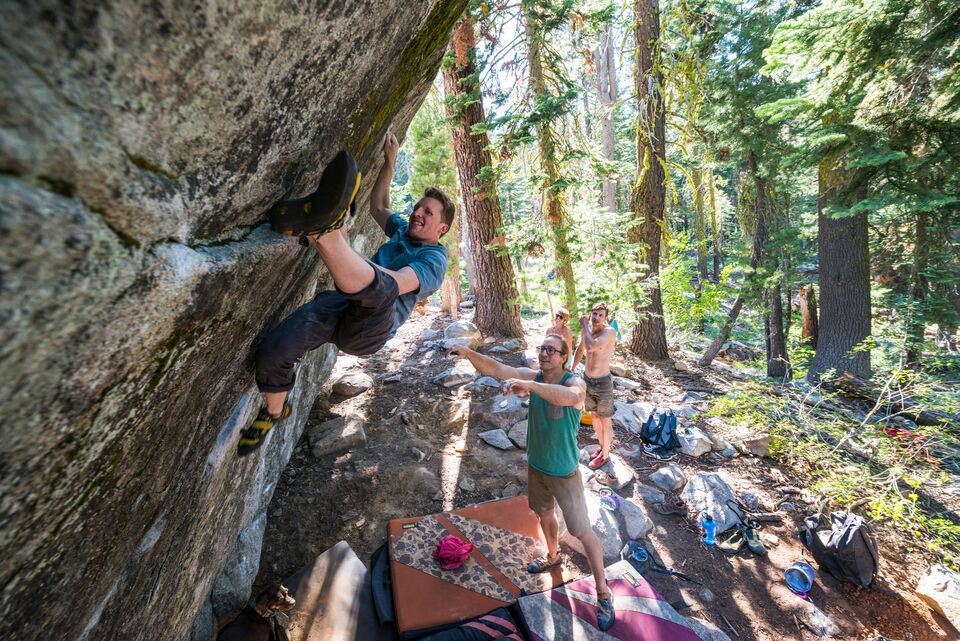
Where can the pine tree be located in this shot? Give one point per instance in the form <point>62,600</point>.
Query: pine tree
<point>497,300</point>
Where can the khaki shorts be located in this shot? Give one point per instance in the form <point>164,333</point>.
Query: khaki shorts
<point>599,398</point>
<point>544,492</point>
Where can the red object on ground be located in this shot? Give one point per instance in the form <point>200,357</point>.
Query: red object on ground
<point>451,552</point>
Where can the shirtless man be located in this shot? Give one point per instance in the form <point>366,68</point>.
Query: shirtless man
<point>597,342</point>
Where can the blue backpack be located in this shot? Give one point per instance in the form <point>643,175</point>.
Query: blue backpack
<point>661,430</point>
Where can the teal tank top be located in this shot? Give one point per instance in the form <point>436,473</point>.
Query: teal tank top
<point>552,435</point>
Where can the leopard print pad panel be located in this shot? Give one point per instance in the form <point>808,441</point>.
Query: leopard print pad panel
<point>508,551</point>
<point>415,549</point>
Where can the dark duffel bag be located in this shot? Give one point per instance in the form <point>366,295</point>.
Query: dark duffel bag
<point>842,546</point>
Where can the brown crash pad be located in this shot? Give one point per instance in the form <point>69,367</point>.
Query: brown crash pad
<point>334,600</point>
<point>506,536</point>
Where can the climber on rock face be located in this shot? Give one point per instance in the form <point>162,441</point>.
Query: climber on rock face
<point>372,298</point>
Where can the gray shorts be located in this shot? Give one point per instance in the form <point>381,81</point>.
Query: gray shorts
<point>599,395</point>
<point>544,492</point>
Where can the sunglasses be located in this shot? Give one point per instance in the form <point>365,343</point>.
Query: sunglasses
<point>550,351</point>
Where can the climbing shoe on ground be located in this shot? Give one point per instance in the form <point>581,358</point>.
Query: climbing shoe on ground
<point>605,478</point>
<point>668,508</point>
<point>606,616</point>
<point>252,437</point>
<point>659,453</point>
<point>752,538</point>
<point>326,208</point>
<point>733,543</point>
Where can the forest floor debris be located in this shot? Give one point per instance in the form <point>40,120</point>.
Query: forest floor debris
<point>422,455</point>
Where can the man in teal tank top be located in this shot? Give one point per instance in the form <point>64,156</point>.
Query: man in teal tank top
<point>553,472</point>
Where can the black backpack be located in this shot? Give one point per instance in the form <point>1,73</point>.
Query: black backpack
<point>661,430</point>
<point>843,546</point>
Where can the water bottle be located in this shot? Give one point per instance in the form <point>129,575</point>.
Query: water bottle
<point>709,527</point>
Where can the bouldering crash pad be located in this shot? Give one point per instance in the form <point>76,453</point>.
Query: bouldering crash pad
<point>506,536</point>
<point>569,612</point>
<point>334,600</point>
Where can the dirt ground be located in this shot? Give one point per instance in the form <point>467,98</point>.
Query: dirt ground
<point>422,456</point>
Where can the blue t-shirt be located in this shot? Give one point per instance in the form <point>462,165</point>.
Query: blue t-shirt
<point>428,262</point>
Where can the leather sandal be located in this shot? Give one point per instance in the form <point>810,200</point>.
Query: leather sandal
<point>542,564</point>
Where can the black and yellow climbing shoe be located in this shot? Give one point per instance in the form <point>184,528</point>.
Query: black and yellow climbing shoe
<point>252,437</point>
<point>326,208</point>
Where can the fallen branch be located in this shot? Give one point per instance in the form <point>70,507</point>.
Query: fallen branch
<point>853,386</point>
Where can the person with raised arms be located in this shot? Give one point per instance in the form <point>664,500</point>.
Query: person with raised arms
<point>553,472</point>
<point>597,342</point>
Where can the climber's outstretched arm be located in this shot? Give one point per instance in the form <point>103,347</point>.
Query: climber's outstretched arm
<point>380,196</point>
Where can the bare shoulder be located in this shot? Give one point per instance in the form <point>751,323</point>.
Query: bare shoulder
<point>609,333</point>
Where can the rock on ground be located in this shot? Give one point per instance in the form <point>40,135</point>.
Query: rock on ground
<point>488,381</point>
<point>497,438</point>
<point>694,442</point>
<point>651,495</point>
<point>518,434</point>
<point>670,478</point>
<point>513,344</point>
<point>605,526</point>
<point>940,589</point>
<point>430,334</point>
<point>337,435</point>
<point>462,372</point>
<point>460,330</point>
<point>706,631</point>
<point>631,416</point>
<point>619,369</point>
<point>614,465</point>
<point>636,523</point>
<point>757,445</point>
<point>500,411</point>
<point>818,621</point>
<point>709,492</point>
<point>352,384</point>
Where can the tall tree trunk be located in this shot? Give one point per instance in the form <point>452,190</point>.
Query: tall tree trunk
<point>497,301</point>
<point>649,339</point>
<point>605,57</point>
<point>808,311</point>
<point>714,227</point>
<point>844,276</point>
<point>553,207</point>
<point>777,363</point>
<point>699,224</point>
<point>450,290</point>
<point>916,323</point>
